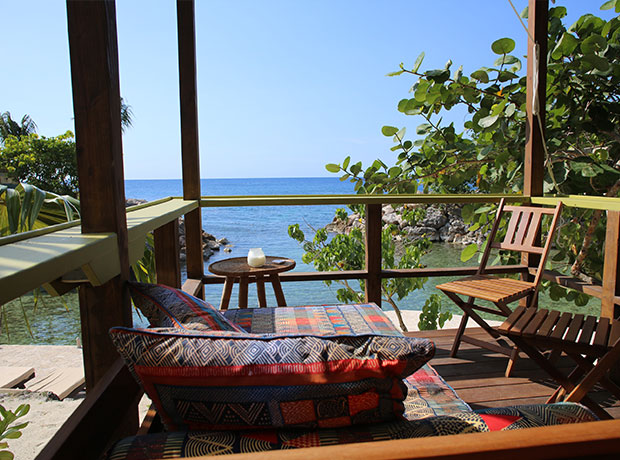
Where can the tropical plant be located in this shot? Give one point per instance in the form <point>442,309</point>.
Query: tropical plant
<point>433,316</point>
<point>582,133</point>
<point>10,430</point>
<point>9,127</point>
<point>28,207</point>
<point>346,251</point>
<point>126,115</point>
<point>47,162</point>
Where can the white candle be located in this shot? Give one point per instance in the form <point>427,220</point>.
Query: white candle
<point>256,257</point>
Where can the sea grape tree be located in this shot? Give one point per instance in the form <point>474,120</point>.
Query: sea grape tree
<point>486,155</point>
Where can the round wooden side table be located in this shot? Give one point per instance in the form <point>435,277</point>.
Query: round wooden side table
<point>237,268</point>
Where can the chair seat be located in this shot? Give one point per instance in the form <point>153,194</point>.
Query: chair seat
<point>593,343</point>
<point>586,335</point>
<point>490,288</point>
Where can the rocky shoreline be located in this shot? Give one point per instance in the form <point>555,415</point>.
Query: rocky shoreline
<point>442,223</point>
<point>210,243</point>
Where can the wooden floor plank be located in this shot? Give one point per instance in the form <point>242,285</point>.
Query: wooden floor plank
<point>61,382</point>
<point>478,375</point>
<point>13,376</point>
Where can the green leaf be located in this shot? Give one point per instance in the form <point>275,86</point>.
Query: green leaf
<point>503,46</point>
<point>608,5</point>
<point>506,60</point>
<point>597,62</point>
<point>593,44</point>
<point>582,299</point>
<point>394,171</point>
<point>389,131</point>
<point>332,167</point>
<point>469,252</point>
<point>488,121</point>
<point>566,45</point>
<point>438,75</point>
<point>418,62</point>
<point>345,163</point>
<point>481,76</point>
<point>525,12</point>
<point>394,74</point>
<point>6,455</point>
<point>423,129</point>
<point>400,135</point>
<point>467,213</point>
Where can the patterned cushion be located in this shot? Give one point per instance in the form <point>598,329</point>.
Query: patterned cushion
<point>355,319</point>
<point>229,380</point>
<point>196,443</point>
<point>428,395</point>
<point>169,307</point>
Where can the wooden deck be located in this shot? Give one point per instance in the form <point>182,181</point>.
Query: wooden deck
<point>477,375</point>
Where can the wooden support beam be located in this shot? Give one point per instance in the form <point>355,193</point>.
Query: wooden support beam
<point>611,267</point>
<point>189,136</point>
<point>534,138</point>
<point>373,253</point>
<point>96,102</point>
<point>536,90</point>
<point>167,260</point>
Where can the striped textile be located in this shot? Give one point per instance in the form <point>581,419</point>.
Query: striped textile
<point>322,320</point>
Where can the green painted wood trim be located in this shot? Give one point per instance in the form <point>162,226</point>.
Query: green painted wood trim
<point>580,201</point>
<point>306,200</point>
<point>29,263</point>
<point>54,228</point>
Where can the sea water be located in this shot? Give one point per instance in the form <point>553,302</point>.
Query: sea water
<point>267,227</point>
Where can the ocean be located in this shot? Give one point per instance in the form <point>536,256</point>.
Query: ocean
<point>263,226</point>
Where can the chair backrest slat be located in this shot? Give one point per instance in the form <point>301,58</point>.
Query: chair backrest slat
<point>523,228</point>
<point>528,242</point>
<point>524,224</point>
<point>522,234</point>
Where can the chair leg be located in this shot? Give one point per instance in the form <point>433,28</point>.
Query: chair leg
<point>459,335</point>
<point>511,361</point>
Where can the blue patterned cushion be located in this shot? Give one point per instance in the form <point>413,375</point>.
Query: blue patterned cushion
<point>165,306</point>
<point>229,380</point>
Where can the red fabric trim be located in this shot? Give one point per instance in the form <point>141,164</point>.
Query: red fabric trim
<point>322,372</point>
<point>499,422</point>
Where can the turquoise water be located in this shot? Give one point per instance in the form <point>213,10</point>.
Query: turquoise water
<point>245,227</point>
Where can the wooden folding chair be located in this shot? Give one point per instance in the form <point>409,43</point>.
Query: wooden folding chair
<point>586,339</point>
<point>522,235</point>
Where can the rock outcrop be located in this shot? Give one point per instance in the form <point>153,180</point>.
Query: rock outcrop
<point>209,243</point>
<point>442,223</point>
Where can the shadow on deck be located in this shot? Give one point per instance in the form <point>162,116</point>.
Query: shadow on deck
<point>477,375</point>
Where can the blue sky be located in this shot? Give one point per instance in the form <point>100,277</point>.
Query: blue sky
<point>284,87</point>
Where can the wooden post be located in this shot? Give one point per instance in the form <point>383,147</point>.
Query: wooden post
<point>167,260</point>
<point>533,171</point>
<point>96,103</point>
<point>534,137</point>
<point>189,137</point>
<point>373,253</point>
<point>611,267</point>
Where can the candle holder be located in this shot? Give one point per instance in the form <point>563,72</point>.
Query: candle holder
<point>256,257</point>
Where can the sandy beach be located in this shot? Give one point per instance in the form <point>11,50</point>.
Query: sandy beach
<point>47,414</point>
